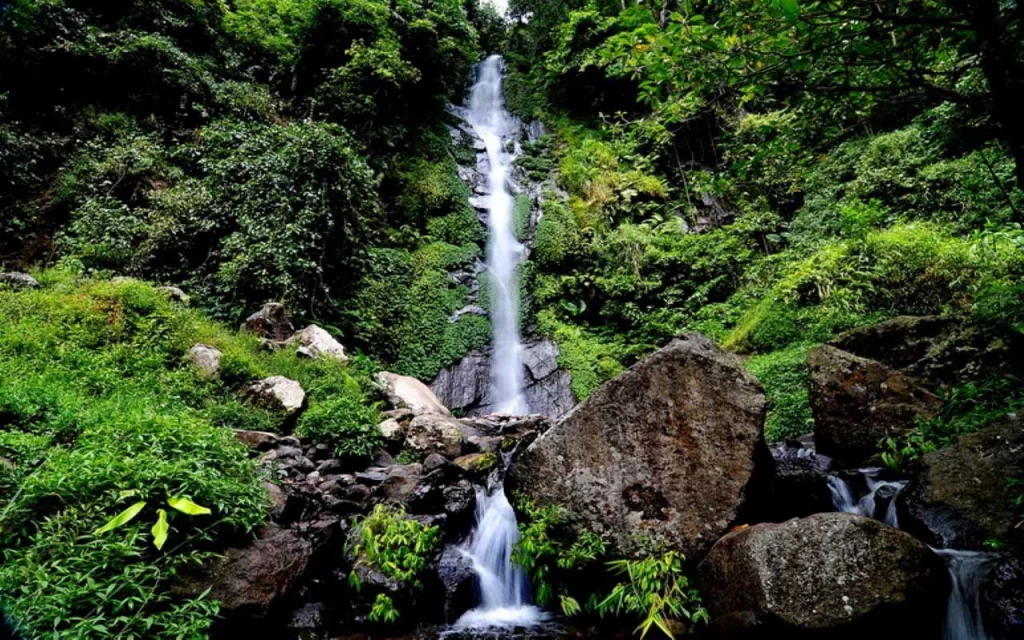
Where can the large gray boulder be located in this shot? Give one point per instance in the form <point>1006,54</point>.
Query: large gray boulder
<point>205,359</point>
<point>961,497</point>
<point>858,401</point>
<point>429,434</point>
<point>277,393</point>
<point>315,342</point>
<point>830,573</point>
<point>667,450</point>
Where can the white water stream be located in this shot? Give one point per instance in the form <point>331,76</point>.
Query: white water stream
<point>492,123</point>
<point>967,569</point>
<point>503,585</point>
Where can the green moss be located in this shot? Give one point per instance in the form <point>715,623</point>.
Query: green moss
<point>521,215</point>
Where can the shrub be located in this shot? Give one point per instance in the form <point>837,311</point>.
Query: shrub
<point>786,381</point>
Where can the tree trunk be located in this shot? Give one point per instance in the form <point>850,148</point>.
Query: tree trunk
<point>1005,74</point>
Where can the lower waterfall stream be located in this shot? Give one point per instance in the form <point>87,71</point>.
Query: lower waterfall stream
<point>967,569</point>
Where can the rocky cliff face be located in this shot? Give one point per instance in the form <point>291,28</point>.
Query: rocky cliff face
<point>667,450</point>
<point>466,386</point>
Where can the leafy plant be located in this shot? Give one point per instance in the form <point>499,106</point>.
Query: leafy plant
<point>161,527</point>
<point>395,544</point>
<point>656,590</point>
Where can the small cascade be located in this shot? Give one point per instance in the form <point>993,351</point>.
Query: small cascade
<point>963,615</point>
<point>844,501</point>
<point>504,588</point>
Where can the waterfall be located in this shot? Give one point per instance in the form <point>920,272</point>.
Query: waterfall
<point>843,500</point>
<point>967,569</point>
<point>492,123</point>
<point>963,615</point>
<point>504,588</point>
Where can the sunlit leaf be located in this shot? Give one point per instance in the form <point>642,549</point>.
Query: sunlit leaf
<point>160,529</point>
<point>122,518</point>
<point>187,507</point>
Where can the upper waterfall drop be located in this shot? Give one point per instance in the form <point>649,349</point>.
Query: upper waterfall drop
<point>492,123</point>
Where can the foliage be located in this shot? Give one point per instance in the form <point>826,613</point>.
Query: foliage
<point>100,411</point>
<point>656,590</point>
<point>965,409</point>
<point>786,379</point>
<point>396,545</point>
<point>553,557</point>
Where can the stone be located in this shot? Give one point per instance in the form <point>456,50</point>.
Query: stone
<point>456,574</point>
<point>400,483</point>
<point>315,342</point>
<point>259,440</point>
<point>1002,597</point>
<point>205,359</point>
<point>277,393</point>
<point>175,295</point>
<point>668,449</point>
<point>961,498</point>
<point>857,402</point>
<point>392,430</point>
<point>830,572</point>
<point>435,434</point>
<point>19,281</point>
<point>252,581</point>
<point>800,483</point>
<point>405,392</point>
<point>478,464</point>
<point>270,323</point>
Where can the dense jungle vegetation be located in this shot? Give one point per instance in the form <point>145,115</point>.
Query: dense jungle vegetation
<point>767,173</point>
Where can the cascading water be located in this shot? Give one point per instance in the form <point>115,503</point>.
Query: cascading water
<point>490,120</point>
<point>967,569</point>
<point>843,500</point>
<point>504,589</point>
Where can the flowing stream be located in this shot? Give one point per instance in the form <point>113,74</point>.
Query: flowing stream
<point>492,123</point>
<point>967,569</point>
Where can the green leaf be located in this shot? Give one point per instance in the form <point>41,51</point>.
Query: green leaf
<point>160,529</point>
<point>187,507</point>
<point>122,518</point>
<point>790,9</point>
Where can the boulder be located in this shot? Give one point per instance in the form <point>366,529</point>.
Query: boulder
<point>477,464</point>
<point>456,574</point>
<point>800,483</point>
<point>259,440</point>
<point>961,497</point>
<point>277,393</point>
<point>18,281</point>
<point>253,581</point>
<point>392,430</point>
<point>405,392</point>
<point>435,434</point>
<point>205,359</point>
<point>668,450</point>
<point>1002,598</point>
<point>857,402</point>
<point>175,295</point>
<point>270,323</point>
<point>315,342</point>
<point>831,573</point>
<point>874,380</point>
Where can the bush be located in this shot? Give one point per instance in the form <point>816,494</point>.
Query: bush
<point>98,410</point>
<point>786,381</point>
